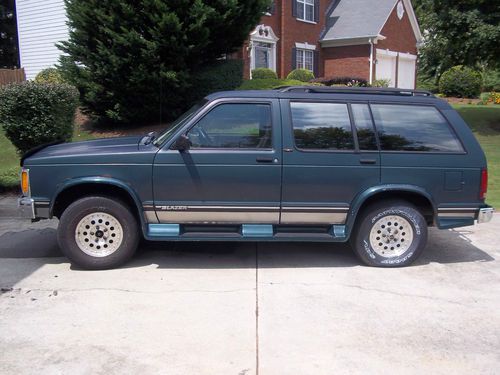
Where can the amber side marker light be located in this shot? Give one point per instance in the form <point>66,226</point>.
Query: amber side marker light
<point>25,182</point>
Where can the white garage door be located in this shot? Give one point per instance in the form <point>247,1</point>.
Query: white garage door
<point>386,66</point>
<point>406,71</point>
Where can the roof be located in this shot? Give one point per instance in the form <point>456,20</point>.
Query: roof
<point>362,19</point>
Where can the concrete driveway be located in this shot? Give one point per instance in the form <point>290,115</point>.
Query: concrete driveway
<point>249,308</point>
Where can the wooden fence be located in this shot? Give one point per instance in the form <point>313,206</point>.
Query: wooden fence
<point>12,75</point>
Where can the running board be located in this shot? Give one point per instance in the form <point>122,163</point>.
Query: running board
<point>248,232</point>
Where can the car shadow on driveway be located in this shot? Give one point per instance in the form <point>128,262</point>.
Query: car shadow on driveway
<point>450,246</point>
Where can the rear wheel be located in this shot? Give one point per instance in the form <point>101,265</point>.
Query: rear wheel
<point>390,234</point>
<point>98,233</point>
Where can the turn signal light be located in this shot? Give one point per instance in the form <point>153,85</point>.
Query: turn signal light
<point>25,183</point>
<point>484,184</point>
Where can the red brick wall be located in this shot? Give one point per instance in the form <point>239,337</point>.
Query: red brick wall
<point>399,34</point>
<point>295,31</point>
<point>352,61</point>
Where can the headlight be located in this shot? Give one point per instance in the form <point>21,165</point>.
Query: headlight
<point>25,182</point>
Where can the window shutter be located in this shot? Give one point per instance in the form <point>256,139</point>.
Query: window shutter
<point>294,8</point>
<point>316,64</point>
<point>272,8</point>
<point>316,10</point>
<point>294,57</point>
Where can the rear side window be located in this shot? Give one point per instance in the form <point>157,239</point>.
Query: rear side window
<point>321,126</point>
<point>364,127</point>
<point>413,128</point>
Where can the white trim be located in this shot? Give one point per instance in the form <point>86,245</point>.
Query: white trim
<point>306,21</point>
<point>259,35</point>
<point>407,56</point>
<point>306,45</point>
<point>371,61</point>
<point>341,42</point>
<point>386,52</point>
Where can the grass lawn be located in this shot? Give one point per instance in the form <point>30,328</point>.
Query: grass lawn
<point>483,120</point>
<point>9,159</point>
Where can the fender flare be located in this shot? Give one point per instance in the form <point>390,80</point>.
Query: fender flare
<point>98,180</point>
<point>361,198</point>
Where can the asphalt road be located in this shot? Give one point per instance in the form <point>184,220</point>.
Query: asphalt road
<point>249,308</point>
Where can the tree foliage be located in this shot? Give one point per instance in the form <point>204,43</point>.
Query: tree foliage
<point>133,61</point>
<point>458,32</point>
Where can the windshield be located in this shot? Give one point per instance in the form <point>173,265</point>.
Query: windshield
<point>177,124</point>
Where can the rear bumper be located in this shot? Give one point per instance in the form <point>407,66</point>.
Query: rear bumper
<point>26,208</point>
<point>485,215</point>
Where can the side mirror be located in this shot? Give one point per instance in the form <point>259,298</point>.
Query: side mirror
<point>182,143</point>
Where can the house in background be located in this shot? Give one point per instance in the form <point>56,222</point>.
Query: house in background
<point>40,25</point>
<point>368,39</point>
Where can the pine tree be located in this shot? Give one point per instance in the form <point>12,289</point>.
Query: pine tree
<point>132,60</point>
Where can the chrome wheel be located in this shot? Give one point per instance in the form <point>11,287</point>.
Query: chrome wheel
<point>391,236</point>
<point>99,234</point>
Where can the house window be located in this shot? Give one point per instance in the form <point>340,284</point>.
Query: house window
<point>305,59</point>
<point>263,55</point>
<point>305,10</point>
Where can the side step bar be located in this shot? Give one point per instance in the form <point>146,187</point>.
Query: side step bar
<point>249,232</point>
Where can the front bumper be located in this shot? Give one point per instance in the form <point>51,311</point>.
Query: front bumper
<point>485,215</point>
<point>26,208</point>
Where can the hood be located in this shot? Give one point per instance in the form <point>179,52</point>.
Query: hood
<point>106,150</point>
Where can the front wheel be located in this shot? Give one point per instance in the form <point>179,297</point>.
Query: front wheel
<point>98,233</point>
<point>390,234</point>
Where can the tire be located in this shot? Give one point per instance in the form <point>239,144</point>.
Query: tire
<point>390,234</point>
<point>98,233</point>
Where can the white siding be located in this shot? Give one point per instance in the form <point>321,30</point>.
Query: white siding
<point>40,24</point>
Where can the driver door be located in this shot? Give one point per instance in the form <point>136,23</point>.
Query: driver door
<point>232,171</point>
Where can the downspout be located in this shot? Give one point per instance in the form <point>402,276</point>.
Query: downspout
<point>371,60</point>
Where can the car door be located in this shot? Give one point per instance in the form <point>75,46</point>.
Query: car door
<point>232,170</point>
<point>325,162</point>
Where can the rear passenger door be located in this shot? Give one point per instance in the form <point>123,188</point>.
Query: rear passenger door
<point>326,163</point>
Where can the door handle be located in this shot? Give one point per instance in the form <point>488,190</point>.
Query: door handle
<point>267,160</point>
<point>367,161</point>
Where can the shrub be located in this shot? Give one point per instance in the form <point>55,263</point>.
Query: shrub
<point>381,83</point>
<point>460,81</point>
<point>344,81</point>
<point>264,73</point>
<point>428,83</point>
<point>49,75</point>
<point>490,98</point>
<point>303,75</point>
<point>491,80</point>
<point>268,84</point>
<point>223,76</point>
<point>32,114</point>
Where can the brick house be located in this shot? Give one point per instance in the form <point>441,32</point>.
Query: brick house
<point>368,39</point>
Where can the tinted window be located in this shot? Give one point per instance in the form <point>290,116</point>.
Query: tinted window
<point>413,128</point>
<point>234,126</point>
<point>321,126</point>
<point>364,127</point>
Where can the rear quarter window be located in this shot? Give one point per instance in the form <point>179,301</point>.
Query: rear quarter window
<point>413,128</point>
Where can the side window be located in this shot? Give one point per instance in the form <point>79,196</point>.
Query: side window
<point>413,128</point>
<point>364,127</point>
<point>321,126</point>
<point>233,126</point>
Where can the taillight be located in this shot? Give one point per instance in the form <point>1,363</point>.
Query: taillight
<point>484,184</point>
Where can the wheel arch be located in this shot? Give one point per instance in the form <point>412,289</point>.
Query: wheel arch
<point>412,194</point>
<point>81,187</point>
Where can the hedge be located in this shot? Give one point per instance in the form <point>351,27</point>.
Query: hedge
<point>303,75</point>
<point>264,73</point>
<point>33,114</point>
<point>460,81</point>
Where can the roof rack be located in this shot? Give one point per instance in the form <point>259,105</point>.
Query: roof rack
<point>354,90</point>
